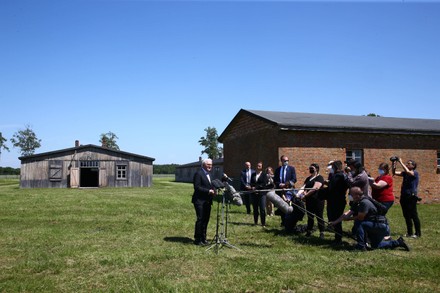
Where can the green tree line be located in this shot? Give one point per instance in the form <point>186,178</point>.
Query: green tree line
<point>9,171</point>
<point>165,169</point>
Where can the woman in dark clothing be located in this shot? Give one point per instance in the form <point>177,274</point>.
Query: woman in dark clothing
<point>314,204</point>
<point>336,197</point>
<point>408,196</point>
<point>263,180</point>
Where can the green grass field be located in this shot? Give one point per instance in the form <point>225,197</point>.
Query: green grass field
<point>140,240</point>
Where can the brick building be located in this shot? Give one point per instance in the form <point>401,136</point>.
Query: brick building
<point>318,138</point>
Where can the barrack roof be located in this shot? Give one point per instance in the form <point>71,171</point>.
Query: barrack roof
<point>343,123</point>
<point>84,148</point>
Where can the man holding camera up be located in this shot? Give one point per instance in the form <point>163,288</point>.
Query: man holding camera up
<point>408,194</point>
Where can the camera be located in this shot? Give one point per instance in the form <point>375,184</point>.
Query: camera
<point>416,196</point>
<point>394,158</point>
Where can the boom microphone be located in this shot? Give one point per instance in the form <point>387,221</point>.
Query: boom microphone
<point>232,195</point>
<point>279,202</point>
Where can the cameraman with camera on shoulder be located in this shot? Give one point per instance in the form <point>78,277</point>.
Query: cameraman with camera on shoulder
<point>408,194</point>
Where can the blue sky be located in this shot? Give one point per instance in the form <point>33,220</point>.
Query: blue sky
<point>157,73</point>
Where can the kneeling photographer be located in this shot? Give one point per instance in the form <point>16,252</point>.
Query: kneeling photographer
<point>371,222</point>
<point>408,194</point>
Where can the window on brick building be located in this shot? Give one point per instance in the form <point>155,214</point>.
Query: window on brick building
<point>355,154</point>
<point>438,159</point>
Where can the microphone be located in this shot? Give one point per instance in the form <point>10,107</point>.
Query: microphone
<point>226,178</point>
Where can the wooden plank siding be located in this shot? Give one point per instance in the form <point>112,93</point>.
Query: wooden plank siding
<point>89,165</point>
<point>185,173</point>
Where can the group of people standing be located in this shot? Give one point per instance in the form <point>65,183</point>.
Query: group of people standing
<point>315,191</point>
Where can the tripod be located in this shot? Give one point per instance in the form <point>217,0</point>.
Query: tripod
<point>221,230</point>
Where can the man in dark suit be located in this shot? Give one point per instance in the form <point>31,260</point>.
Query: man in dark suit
<point>247,181</point>
<point>285,177</point>
<point>202,200</point>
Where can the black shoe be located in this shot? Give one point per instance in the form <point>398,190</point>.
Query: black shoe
<point>358,248</point>
<point>308,233</point>
<point>205,242</point>
<point>403,244</point>
<point>337,242</point>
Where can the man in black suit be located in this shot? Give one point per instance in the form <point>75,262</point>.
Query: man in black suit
<point>247,182</point>
<point>202,200</point>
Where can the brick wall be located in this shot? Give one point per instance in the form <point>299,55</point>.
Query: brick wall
<point>252,139</point>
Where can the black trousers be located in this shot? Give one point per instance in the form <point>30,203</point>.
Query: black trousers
<point>334,210</point>
<point>315,206</point>
<point>203,213</point>
<point>247,201</point>
<point>259,203</point>
<point>409,209</point>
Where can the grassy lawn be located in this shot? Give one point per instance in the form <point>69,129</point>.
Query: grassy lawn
<point>140,240</point>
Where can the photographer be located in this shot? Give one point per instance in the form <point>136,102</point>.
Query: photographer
<point>382,188</point>
<point>371,222</point>
<point>357,176</point>
<point>335,196</point>
<point>408,194</point>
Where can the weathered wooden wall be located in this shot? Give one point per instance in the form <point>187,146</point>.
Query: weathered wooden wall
<point>35,173</point>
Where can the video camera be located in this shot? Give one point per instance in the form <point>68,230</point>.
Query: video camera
<point>394,159</point>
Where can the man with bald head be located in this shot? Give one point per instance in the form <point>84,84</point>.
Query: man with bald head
<point>371,222</point>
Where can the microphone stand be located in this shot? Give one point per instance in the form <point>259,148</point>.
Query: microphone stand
<point>220,238</point>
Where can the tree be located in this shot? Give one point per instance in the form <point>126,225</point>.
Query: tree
<point>165,169</point>
<point>3,144</point>
<point>26,140</point>
<point>108,140</point>
<point>373,115</point>
<point>210,142</point>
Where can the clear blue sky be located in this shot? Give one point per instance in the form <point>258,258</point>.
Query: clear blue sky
<point>157,73</point>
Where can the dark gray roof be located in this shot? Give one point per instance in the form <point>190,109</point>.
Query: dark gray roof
<point>346,123</point>
<point>199,163</point>
<point>82,148</point>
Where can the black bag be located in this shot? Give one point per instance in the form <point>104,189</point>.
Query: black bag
<point>381,209</point>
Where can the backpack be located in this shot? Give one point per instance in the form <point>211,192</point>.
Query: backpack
<point>381,209</point>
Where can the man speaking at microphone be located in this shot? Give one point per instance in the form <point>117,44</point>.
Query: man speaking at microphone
<point>202,199</point>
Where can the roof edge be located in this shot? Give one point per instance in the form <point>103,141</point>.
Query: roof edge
<point>81,147</point>
<point>250,113</point>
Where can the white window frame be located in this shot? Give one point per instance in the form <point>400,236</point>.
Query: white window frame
<point>355,154</point>
<point>121,171</point>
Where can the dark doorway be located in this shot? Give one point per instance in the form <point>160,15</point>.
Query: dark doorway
<point>89,177</point>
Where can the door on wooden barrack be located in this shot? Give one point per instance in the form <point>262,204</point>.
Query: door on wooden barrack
<point>89,174</point>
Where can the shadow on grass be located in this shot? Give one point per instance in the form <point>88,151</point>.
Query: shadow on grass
<point>184,240</point>
<point>314,240</point>
<point>251,244</point>
<point>241,224</point>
